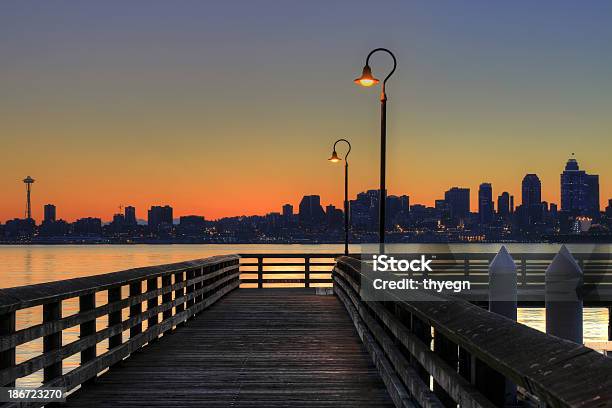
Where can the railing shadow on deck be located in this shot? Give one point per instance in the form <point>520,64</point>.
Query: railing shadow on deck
<point>185,289</point>
<point>472,356</point>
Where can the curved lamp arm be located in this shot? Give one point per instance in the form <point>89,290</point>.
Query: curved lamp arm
<point>392,56</point>
<point>349,147</point>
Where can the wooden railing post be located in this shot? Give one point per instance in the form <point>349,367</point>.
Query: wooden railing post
<point>153,302</point>
<point>167,297</point>
<point>135,309</point>
<point>466,364</point>
<point>52,342</point>
<point>88,328</point>
<point>449,352</point>
<point>7,357</point>
<point>564,303</point>
<point>190,288</point>
<point>179,277</point>
<point>489,382</point>
<point>260,272</point>
<point>422,331</point>
<point>202,271</point>
<point>114,318</point>
<point>307,272</point>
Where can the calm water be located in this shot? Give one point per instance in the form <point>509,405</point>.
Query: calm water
<point>25,265</point>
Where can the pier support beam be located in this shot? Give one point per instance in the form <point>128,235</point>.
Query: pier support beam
<point>563,299</point>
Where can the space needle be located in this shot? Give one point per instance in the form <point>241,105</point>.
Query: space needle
<point>28,182</point>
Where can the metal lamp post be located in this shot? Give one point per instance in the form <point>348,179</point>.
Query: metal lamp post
<point>367,79</point>
<point>335,159</point>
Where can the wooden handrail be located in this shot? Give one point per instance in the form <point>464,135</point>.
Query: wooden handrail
<point>307,262</point>
<point>475,351</point>
<point>195,285</point>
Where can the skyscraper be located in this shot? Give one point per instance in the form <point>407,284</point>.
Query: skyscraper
<point>364,210</point>
<point>130,215</point>
<point>311,212</point>
<point>287,210</point>
<point>485,203</point>
<point>531,191</point>
<point>503,205</point>
<point>159,216</point>
<point>579,191</point>
<point>458,200</point>
<point>50,214</point>
<point>530,211</point>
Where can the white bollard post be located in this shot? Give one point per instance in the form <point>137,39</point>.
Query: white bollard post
<point>503,285</point>
<point>503,300</point>
<point>564,278</point>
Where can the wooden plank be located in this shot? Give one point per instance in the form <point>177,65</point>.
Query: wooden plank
<point>253,348</point>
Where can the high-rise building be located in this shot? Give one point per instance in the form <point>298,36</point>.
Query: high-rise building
<point>531,208</point>
<point>405,203</point>
<point>287,211</point>
<point>503,205</point>
<point>458,200</point>
<point>88,226</point>
<point>485,203</point>
<point>531,189</point>
<point>50,213</point>
<point>159,215</point>
<point>130,215</point>
<point>287,215</point>
<point>579,191</point>
<point>333,216</point>
<point>364,210</point>
<point>311,211</point>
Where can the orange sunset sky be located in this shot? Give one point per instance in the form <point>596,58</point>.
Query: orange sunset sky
<point>228,110</point>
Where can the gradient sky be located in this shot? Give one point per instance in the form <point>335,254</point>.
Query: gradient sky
<point>230,107</point>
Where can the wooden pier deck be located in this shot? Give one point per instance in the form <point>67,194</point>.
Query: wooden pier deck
<point>253,348</point>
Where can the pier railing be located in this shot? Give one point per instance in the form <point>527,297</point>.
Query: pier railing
<point>288,269</point>
<point>259,270</point>
<point>473,356</point>
<point>531,267</point>
<point>172,295</point>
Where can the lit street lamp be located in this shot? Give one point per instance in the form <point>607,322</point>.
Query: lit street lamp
<point>335,159</point>
<point>367,79</point>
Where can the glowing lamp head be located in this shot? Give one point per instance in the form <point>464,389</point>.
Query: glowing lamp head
<point>366,79</point>
<point>334,158</point>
